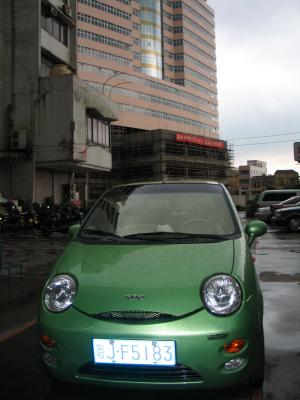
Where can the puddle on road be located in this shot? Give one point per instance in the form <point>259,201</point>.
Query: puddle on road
<point>271,276</point>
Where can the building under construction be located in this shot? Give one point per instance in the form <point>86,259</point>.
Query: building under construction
<point>140,155</point>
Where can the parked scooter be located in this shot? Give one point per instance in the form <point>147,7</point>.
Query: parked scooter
<point>60,218</point>
<point>10,217</point>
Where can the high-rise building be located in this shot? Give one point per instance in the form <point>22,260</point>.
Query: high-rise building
<point>156,58</point>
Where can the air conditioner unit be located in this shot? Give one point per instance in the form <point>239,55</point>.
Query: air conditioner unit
<point>18,140</point>
<point>66,9</point>
<point>70,191</point>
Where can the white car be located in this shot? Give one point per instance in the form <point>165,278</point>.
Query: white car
<point>263,214</point>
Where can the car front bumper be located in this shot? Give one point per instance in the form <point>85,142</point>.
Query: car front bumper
<point>279,221</point>
<point>263,215</point>
<point>200,353</point>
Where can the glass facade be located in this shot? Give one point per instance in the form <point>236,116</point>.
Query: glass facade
<point>151,47</point>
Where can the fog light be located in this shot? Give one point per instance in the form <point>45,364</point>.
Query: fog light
<point>50,358</point>
<point>234,346</point>
<point>234,363</point>
<point>47,341</point>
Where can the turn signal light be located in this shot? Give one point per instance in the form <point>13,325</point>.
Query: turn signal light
<point>234,346</point>
<point>47,341</point>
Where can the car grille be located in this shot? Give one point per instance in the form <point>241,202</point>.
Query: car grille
<point>134,316</point>
<point>178,373</point>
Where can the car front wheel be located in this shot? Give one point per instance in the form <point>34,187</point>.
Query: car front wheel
<point>258,376</point>
<point>294,224</point>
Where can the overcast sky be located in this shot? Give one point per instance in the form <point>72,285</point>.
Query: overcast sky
<point>258,62</point>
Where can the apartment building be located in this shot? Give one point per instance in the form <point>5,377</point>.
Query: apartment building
<point>52,124</point>
<point>247,172</point>
<point>286,178</point>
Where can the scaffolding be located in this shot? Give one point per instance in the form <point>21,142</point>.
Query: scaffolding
<point>144,155</point>
<point>156,155</point>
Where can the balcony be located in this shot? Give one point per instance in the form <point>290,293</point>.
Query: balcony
<point>61,125</point>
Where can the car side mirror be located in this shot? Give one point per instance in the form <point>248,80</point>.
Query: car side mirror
<point>73,230</point>
<point>255,229</point>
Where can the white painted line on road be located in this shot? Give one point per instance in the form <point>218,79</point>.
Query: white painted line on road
<point>13,332</point>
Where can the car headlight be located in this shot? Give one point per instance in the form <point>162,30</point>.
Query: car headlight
<point>262,209</point>
<point>59,293</point>
<point>222,294</point>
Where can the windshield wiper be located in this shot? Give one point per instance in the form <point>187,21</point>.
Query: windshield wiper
<point>165,236</point>
<point>103,234</point>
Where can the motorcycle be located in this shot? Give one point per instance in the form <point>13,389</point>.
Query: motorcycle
<point>59,219</point>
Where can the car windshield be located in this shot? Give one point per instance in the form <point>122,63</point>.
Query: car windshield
<point>161,210</point>
<point>292,200</point>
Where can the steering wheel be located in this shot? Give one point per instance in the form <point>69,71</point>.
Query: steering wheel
<point>213,227</point>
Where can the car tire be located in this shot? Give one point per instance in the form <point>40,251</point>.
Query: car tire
<point>294,223</point>
<point>45,232</point>
<point>258,377</point>
<point>55,386</point>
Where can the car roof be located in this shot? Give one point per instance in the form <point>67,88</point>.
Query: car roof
<point>280,190</point>
<point>171,182</point>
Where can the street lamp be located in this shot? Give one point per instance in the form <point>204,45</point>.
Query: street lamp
<point>111,77</point>
<point>118,84</point>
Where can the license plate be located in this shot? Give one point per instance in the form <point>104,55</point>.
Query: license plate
<point>134,352</point>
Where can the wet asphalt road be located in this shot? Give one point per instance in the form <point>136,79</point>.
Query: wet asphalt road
<point>278,267</point>
<point>21,376</point>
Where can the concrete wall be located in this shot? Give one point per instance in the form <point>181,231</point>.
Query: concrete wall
<point>19,63</point>
<point>55,114</point>
<point>19,71</point>
<point>55,47</point>
<point>239,200</point>
<point>27,62</point>
<point>50,184</point>
<point>13,185</point>
<point>61,133</point>
<point>5,68</point>
<point>97,153</point>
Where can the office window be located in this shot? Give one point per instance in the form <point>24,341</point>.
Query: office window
<point>103,24</point>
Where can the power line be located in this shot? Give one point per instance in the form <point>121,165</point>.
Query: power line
<point>258,143</point>
<point>263,136</point>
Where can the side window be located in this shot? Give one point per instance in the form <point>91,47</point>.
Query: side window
<point>285,196</point>
<point>278,196</point>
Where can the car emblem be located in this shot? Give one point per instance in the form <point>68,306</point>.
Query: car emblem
<point>134,296</point>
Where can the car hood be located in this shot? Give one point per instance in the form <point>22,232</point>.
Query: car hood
<point>289,209</point>
<point>168,276</point>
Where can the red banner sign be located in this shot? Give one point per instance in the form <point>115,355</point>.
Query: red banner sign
<point>200,140</point>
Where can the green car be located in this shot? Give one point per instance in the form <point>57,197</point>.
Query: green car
<point>157,289</point>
